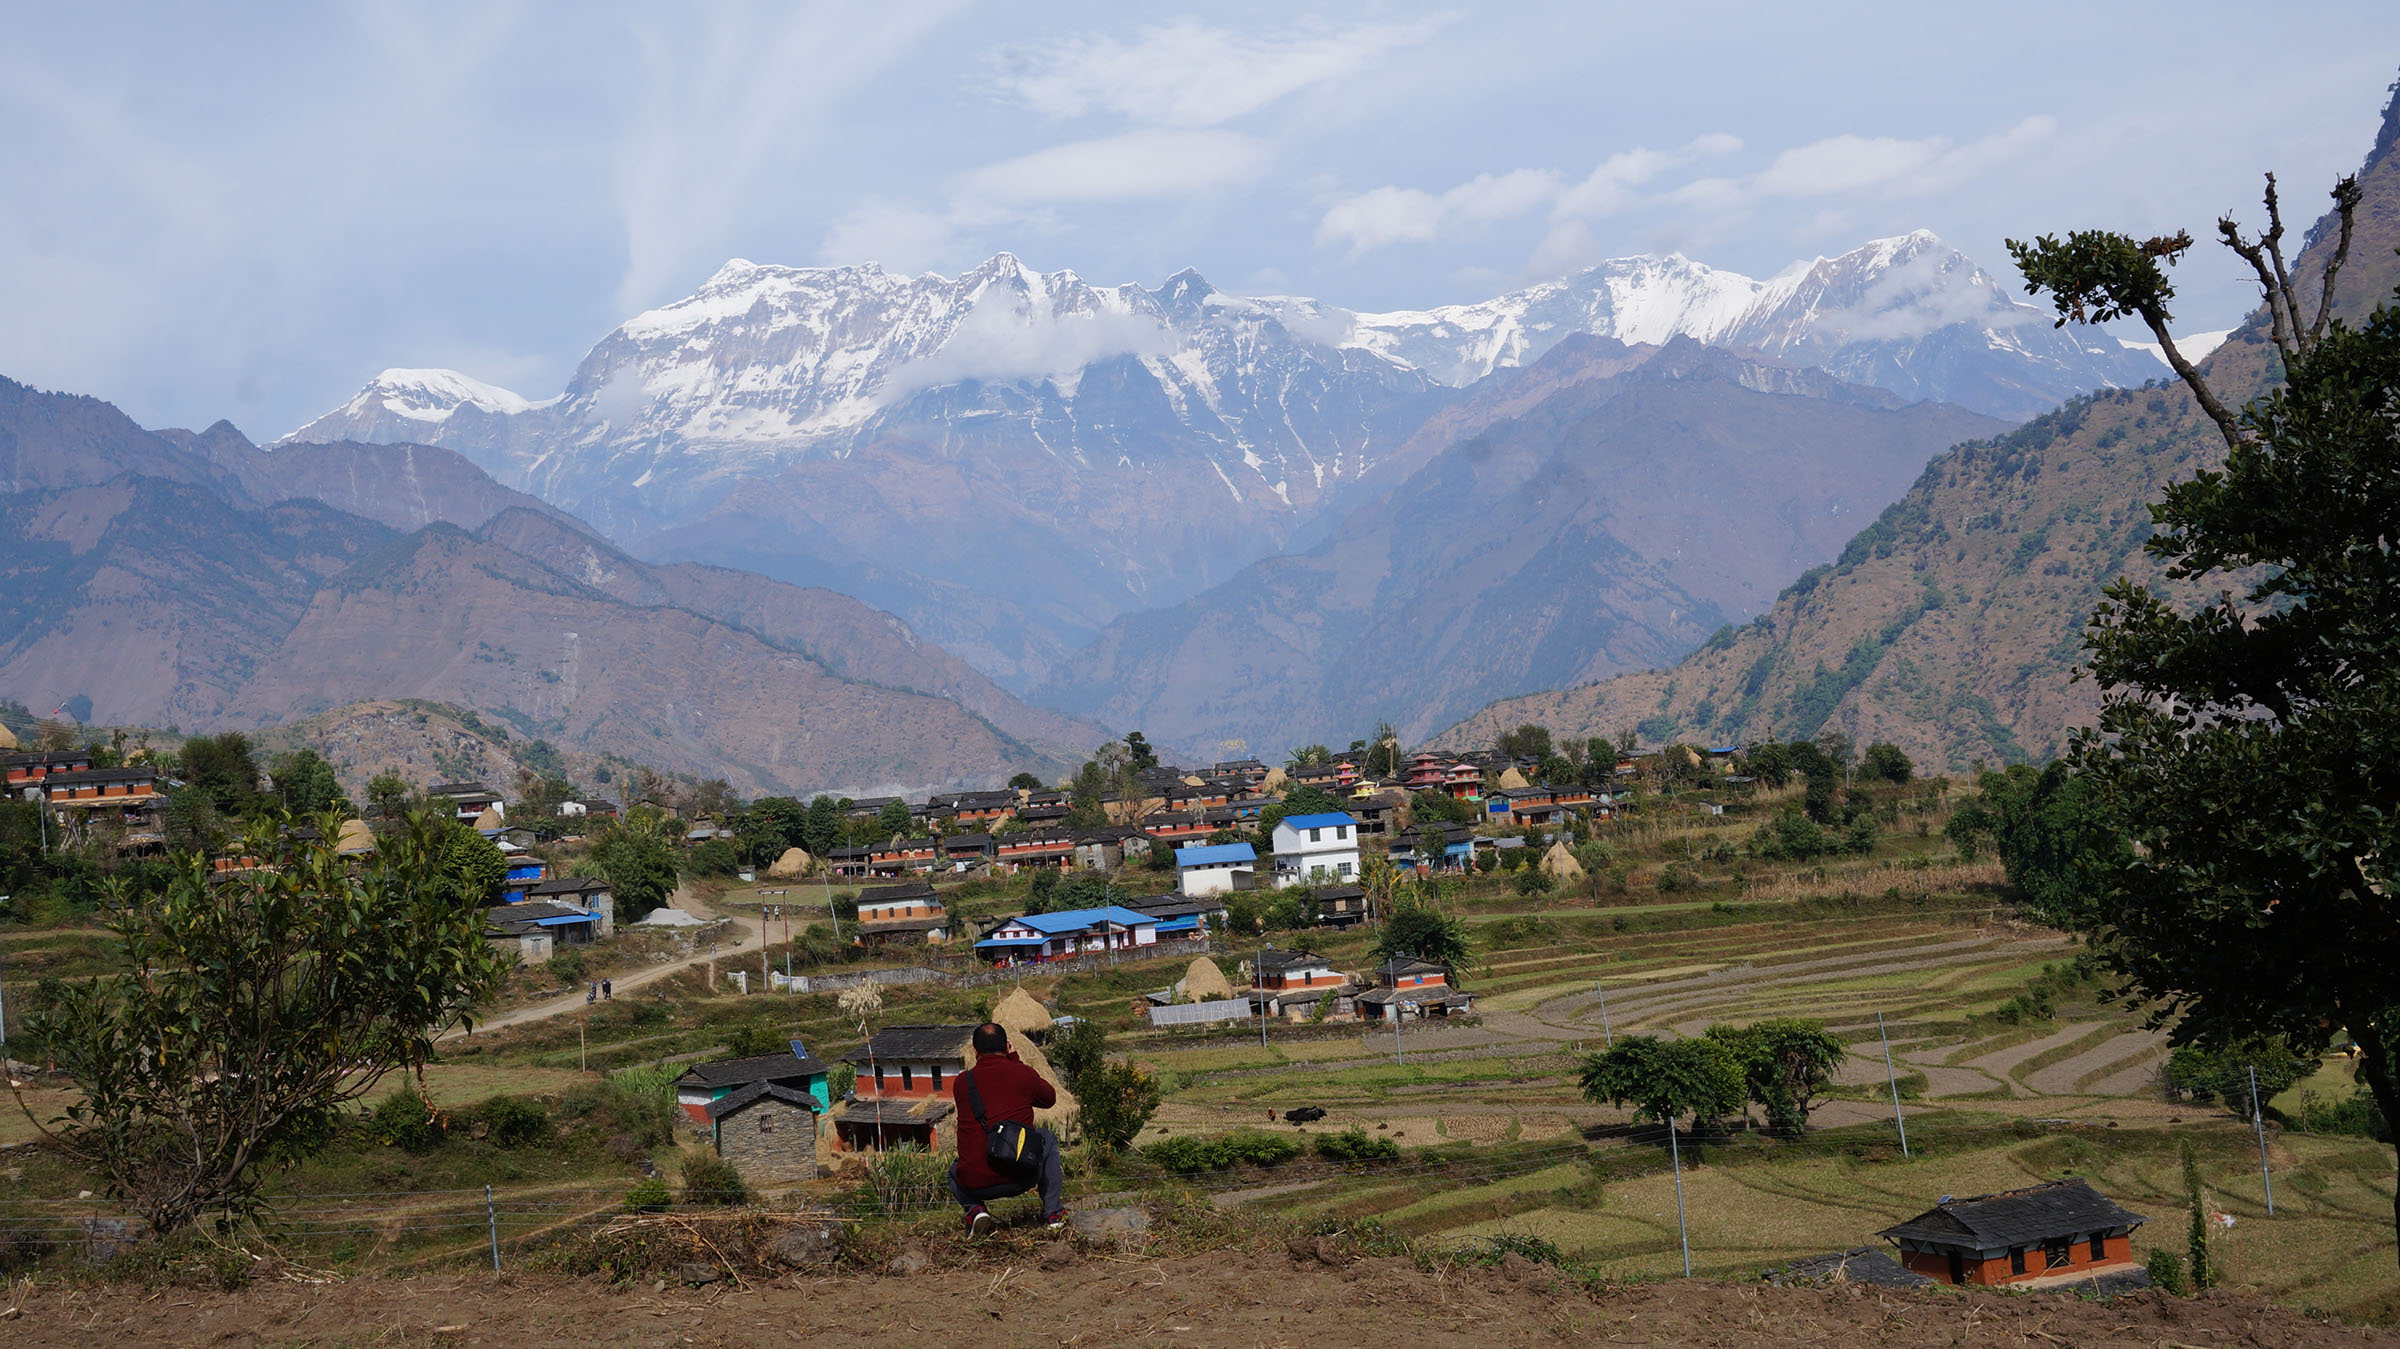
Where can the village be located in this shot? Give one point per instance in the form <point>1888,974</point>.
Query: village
<point>1226,931</point>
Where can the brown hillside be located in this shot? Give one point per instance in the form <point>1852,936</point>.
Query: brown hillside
<point>446,616</point>
<point>1951,626</point>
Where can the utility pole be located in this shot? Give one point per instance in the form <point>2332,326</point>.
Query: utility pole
<point>1608,1039</point>
<point>1682,1227</point>
<point>2259,1119</point>
<point>1893,1080</point>
<point>1399,1009</point>
<point>1259,970</point>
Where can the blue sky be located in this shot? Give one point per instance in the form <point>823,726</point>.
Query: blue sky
<point>246,213</point>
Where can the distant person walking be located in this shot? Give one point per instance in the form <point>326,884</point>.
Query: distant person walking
<point>607,993</point>
<point>594,994</point>
<point>1001,1151</point>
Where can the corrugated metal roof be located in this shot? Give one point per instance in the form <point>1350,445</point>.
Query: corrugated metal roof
<point>1210,853</point>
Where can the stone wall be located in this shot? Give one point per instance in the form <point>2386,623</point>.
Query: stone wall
<point>770,1140</point>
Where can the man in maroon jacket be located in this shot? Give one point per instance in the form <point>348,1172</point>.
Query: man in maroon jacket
<point>1011,1092</point>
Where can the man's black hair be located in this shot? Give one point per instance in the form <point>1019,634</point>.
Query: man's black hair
<point>990,1038</point>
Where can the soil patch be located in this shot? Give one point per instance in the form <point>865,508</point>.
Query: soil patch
<point>1076,1295</point>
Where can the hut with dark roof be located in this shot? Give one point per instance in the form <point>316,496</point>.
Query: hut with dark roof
<point>2060,1232</point>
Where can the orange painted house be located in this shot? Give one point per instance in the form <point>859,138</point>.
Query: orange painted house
<point>903,1090</point>
<point>2042,1235</point>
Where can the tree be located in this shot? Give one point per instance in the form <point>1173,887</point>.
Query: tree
<point>636,856</point>
<point>2056,839</point>
<point>1664,1080</point>
<point>2196,1235</point>
<point>1886,762</point>
<point>1139,756</point>
<point>1382,751</point>
<point>539,795</point>
<point>388,796</point>
<point>714,799</point>
<point>1025,782</point>
<point>765,828</point>
<point>822,833</point>
<point>893,818</point>
<point>222,768</point>
<point>247,1011</point>
<point>1415,930</point>
<point>1306,756</point>
<point>305,784</point>
<point>1786,1063</point>
<point>1439,807</point>
<point>471,868</point>
<point>1526,742</point>
<point>1116,1098</point>
<point>2250,749</point>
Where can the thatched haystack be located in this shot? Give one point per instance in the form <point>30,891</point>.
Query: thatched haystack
<point>1204,982</point>
<point>791,866</point>
<point>1560,864</point>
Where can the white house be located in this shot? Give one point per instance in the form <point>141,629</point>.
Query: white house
<point>1212,869</point>
<point>1316,849</point>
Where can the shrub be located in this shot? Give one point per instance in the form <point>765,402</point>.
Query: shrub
<point>709,1179</point>
<point>1242,1147</point>
<point>2356,1115</point>
<point>2166,1272</point>
<point>513,1121</point>
<point>1355,1144</point>
<point>907,1178</point>
<point>1534,881</point>
<point>649,1196</point>
<point>567,967</point>
<point>406,1121</point>
<point>1492,1249</point>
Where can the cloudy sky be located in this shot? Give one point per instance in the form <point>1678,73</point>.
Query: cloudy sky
<point>247,215</point>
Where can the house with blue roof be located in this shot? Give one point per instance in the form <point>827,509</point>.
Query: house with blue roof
<point>1038,937</point>
<point>1214,868</point>
<point>523,874</point>
<point>1320,849</point>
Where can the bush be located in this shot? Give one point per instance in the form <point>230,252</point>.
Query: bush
<point>1355,1144</point>
<point>2356,1115</point>
<point>2166,1273</point>
<point>406,1121</point>
<point>1492,1249</point>
<point>513,1121</point>
<point>567,967</point>
<point>1534,881</point>
<point>907,1178</point>
<point>650,1196</point>
<point>1242,1147</point>
<point>710,1179</point>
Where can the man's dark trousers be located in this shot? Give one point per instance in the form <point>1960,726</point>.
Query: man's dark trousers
<point>1048,1177</point>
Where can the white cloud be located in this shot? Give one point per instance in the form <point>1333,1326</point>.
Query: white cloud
<point>1396,215</point>
<point>901,238</point>
<point>1137,164</point>
<point>998,340</point>
<point>728,93</point>
<point>1184,74</point>
<point>1857,166</point>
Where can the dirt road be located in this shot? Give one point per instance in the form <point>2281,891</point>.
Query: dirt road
<point>1059,1294</point>
<point>741,934</point>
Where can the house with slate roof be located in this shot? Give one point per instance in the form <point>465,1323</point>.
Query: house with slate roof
<point>903,1090</point>
<point>2038,1236</point>
<point>1213,868</point>
<point>1038,937</point>
<point>704,1084</point>
<point>902,913</point>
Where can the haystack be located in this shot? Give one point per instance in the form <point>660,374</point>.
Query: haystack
<point>790,867</point>
<point>355,838</point>
<point>1204,982</point>
<point>1022,1015</point>
<point>1511,780</point>
<point>1560,864</point>
<point>8,738</point>
<point>490,819</point>
<point>1274,782</point>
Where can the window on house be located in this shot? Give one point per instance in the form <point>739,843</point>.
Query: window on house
<point>1312,835</point>
<point>1341,831</point>
<point>2058,1254</point>
<point>2016,1260</point>
<point>937,1077</point>
<point>2099,1245</point>
<point>879,1076</point>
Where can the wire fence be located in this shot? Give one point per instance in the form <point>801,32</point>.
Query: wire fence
<point>409,1229</point>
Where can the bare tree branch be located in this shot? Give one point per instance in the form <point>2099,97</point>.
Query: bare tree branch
<point>2346,196</point>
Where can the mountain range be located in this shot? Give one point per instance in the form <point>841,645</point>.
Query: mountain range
<point>1952,624</point>
<point>192,579</point>
<point>1009,459</point>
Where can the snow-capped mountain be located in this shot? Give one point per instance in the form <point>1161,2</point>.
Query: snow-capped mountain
<point>1009,458</point>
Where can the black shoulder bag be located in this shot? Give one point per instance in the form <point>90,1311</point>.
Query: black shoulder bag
<point>1007,1143</point>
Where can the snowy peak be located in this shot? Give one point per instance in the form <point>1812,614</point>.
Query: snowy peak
<point>425,399</point>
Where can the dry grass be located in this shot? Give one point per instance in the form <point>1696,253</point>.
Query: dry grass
<point>1952,878</point>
